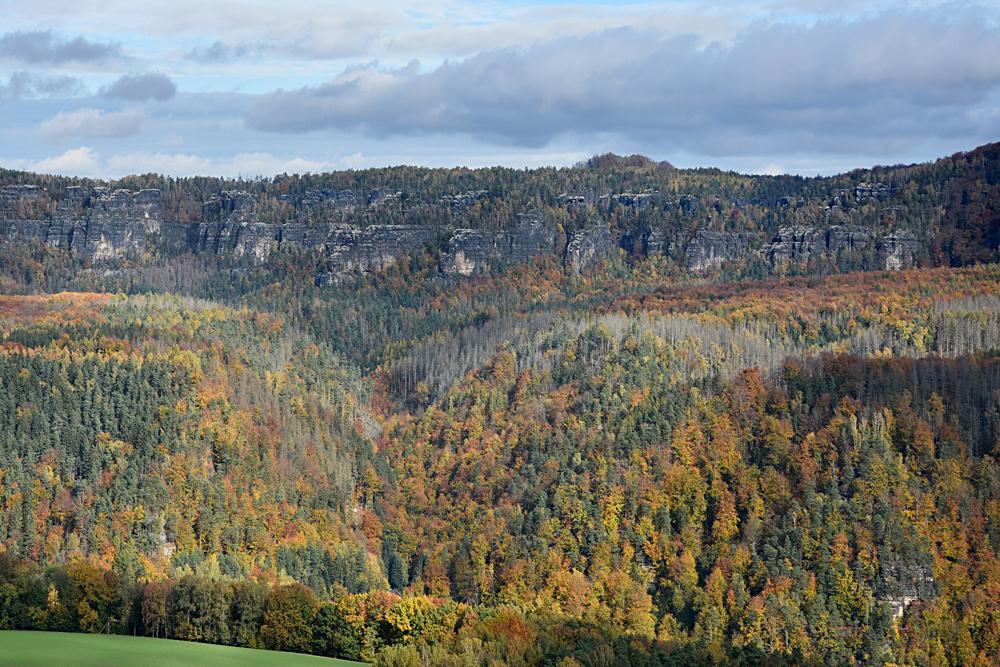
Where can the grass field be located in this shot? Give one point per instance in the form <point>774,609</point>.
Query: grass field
<point>45,649</point>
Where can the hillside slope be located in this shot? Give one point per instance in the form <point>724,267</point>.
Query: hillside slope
<point>737,454</point>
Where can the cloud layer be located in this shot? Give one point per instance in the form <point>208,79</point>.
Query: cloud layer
<point>141,87</point>
<point>92,123</point>
<point>43,47</point>
<point>86,161</point>
<point>830,86</point>
<point>806,86</point>
<point>23,85</point>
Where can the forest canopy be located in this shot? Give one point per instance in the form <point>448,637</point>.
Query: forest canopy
<point>635,464</point>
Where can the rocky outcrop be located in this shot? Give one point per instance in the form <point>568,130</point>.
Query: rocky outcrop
<point>590,246</point>
<point>99,223</point>
<point>19,218</point>
<point>655,242</point>
<point>463,200</point>
<point>635,200</point>
<point>689,204</point>
<point>93,223</point>
<point>376,247</point>
<point>12,196</point>
<point>898,251</point>
<point>310,199</point>
<point>708,250</point>
<point>103,224</point>
<point>473,251</point>
<point>797,245</point>
<point>847,239</point>
<point>348,248</point>
<point>230,206</point>
<point>382,196</point>
<point>794,245</point>
<point>240,240</point>
<point>900,584</point>
<point>863,191</point>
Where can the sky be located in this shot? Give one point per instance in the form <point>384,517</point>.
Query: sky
<point>252,88</point>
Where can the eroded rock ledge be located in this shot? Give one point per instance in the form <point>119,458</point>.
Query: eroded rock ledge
<point>100,224</point>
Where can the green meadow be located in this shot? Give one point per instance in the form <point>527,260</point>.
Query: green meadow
<point>48,649</point>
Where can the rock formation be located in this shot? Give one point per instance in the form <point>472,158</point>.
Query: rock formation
<point>898,250</point>
<point>655,242</point>
<point>96,224</point>
<point>237,239</point>
<point>709,250</point>
<point>900,584</point>
<point>794,245</point>
<point>590,246</point>
<point>376,247</point>
<point>100,224</point>
<point>479,250</point>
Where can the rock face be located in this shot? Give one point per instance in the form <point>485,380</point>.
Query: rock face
<point>655,242</point>
<point>797,244</point>
<point>20,218</point>
<point>102,224</point>
<point>375,247</point>
<point>901,584</point>
<point>473,251</point>
<point>99,224</point>
<point>238,239</point>
<point>348,248</point>
<point>230,206</point>
<point>588,247</point>
<point>708,250</point>
<point>340,199</point>
<point>13,195</point>
<point>898,251</point>
<point>94,223</point>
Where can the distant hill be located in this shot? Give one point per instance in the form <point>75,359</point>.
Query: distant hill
<point>474,222</point>
<point>614,161</point>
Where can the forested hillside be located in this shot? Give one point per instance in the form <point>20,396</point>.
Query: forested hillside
<point>151,428</point>
<point>628,193</point>
<point>343,225</point>
<point>639,463</point>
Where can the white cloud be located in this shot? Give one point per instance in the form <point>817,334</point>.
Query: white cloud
<point>82,161</point>
<point>88,123</point>
<point>186,164</point>
<point>772,169</point>
<point>85,161</point>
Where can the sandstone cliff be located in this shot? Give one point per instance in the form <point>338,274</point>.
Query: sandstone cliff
<point>473,251</point>
<point>99,224</point>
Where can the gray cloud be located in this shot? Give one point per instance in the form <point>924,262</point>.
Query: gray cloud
<point>141,87</point>
<point>91,123</point>
<point>310,45</point>
<point>219,52</point>
<point>24,85</point>
<point>866,86</point>
<point>44,47</point>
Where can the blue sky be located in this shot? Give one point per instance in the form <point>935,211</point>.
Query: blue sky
<point>246,87</point>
